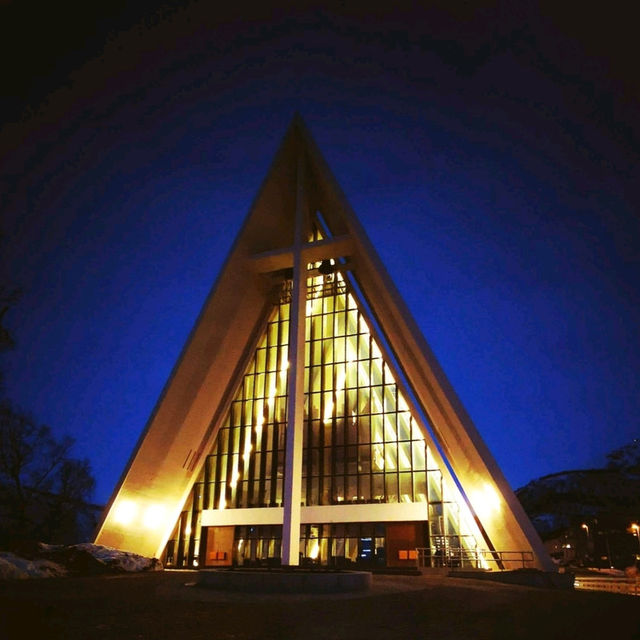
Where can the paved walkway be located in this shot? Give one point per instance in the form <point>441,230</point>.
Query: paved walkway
<point>162,605</point>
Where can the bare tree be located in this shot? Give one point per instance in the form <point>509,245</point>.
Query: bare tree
<point>41,485</point>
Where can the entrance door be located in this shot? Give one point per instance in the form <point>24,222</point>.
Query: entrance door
<point>402,540</point>
<point>219,548</point>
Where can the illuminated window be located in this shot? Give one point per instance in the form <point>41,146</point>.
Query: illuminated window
<point>360,441</point>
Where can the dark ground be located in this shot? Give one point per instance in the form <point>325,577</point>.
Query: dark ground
<point>159,605</point>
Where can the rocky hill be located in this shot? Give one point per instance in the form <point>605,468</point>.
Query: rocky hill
<point>564,499</point>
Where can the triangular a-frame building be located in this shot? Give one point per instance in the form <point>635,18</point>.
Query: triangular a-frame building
<point>307,420</point>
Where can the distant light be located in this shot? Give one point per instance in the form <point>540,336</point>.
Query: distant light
<point>125,512</point>
<point>153,516</point>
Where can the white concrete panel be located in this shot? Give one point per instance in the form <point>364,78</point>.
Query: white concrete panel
<point>228,517</point>
<point>378,512</point>
<point>383,512</point>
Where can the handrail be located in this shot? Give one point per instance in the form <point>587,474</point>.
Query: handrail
<point>459,557</point>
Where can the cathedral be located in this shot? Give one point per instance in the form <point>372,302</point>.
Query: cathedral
<point>306,421</point>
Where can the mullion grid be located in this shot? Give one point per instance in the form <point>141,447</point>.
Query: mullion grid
<point>321,488</point>
<point>236,479</point>
<point>338,538</point>
<point>353,477</point>
<point>341,454</point>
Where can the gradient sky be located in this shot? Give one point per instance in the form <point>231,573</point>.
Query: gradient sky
<point>492,156</point>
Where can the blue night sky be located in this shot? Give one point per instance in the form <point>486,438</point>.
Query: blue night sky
<point>491,155</point>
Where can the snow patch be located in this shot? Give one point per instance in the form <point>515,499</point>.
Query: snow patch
<point>122,560</point>
<point>13,567</point>
<point>53,561</point>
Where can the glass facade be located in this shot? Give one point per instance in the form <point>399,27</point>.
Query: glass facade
<point>323,544</point>
<point>361,444</point>
<point>246,467</point>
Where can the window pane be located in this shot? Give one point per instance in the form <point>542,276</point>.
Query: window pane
<point>364,459</point>
<point>378,487</point>
<point>419,486</point>
<point>404,426</point>
<point>376,371</point>
<point>352,488</point>
<point>284,333</point>
<point>406,489</point>
<point>261,358</point>
<point>390,457</point>
<point>376,400</point>
<point>389,398</point>
<point>404,456</point>
<point>376,428</point>
<point>391,487</point>
<point>352,322</point>
<point>390,434</point>
<point>316,352</point>
<point>418,460</point>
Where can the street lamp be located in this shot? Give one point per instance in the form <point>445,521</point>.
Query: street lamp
<point>636,531</point>
<point>586,528</point>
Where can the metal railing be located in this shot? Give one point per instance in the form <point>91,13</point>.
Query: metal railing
<point>628,586</point>
<point>461,558</point>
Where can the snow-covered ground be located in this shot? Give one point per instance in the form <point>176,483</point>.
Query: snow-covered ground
<point>13,567</point>
<point>51,561</point>
<point>120,560</point>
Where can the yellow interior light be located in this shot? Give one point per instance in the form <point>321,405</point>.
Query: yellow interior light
<point>247,451</point>
<point>328,412</point>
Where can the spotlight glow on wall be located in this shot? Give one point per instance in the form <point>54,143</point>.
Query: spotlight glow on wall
<point>125,511</point>
<point>485,500</point>
<point>154,516</point>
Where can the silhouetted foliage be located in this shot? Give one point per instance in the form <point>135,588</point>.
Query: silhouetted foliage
<point>42,487</point>
<point>8,297</point>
